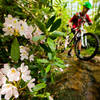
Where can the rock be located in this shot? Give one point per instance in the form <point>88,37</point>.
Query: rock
<point>96,75</point>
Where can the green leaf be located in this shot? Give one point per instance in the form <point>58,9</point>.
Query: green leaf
<point>41,25</point>
<point>52,77</point>
<point>1,25</point>
<point>56,34</point>
<point>20,13</point>
<point>50,21</point>
<point>65,5</point>
<point>48,68</point>
<point>42,61</point>
<point>39,86</point>
<point>55,25</point>
<point>49,55</point>
<point>43,1</point>
<point>15,52</point>
<point>60,65</point>
<point>36,38</point>
<point>45,47</point>
<point>51,44</point>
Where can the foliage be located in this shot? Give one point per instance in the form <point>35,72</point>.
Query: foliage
<point>33,39</point>
<point>25,38</point>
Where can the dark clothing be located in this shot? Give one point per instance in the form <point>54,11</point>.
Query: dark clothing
<point>77,19</point>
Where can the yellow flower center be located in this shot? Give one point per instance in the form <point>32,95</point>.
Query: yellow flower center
<point>8,86</point>
<point>16,32</point>
<point>9,28</point>
<point>24,53</point>
<point>10,18</point>
<point>21,47</point>
<point>22,28</point>
<point>13,71</point>
<point>15,21</point>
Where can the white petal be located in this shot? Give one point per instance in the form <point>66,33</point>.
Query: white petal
<point>50,98</point>
<point>8,95</point>
<point>15,92</point>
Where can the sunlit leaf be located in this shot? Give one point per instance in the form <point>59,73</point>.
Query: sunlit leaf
<point>51,44</point>
<point>48,68</point>
<point>42,61</point>
<point>39,86</point>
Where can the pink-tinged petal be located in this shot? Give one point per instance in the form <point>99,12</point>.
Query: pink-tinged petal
<point>25,69</point>
<point>0,94</point>
<point>27,72</point>
<point>29,77</point>
<point>4,79</point>
<point>32,80</point>
<point>15,92</point>
<point>31,84</point>
<point>8,95</point>
<point>5,69</point>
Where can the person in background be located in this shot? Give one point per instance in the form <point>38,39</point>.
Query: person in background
<point>76,21</point>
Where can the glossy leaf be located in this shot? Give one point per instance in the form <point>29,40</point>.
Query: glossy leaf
<point>50,21</point>
<point>55,25</point>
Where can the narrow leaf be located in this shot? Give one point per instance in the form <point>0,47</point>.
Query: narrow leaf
<point>48,68</point>
<point>51,44</point>
<point>39,86</point>
<point>15,53</point>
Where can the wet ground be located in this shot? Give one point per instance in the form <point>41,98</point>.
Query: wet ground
<point>80,80</point>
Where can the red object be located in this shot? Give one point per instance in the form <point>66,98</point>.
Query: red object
<point>77,21</point>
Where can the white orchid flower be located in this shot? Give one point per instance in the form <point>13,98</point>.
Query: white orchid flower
<point>13,75</point>
<point>8,20</point>
<point>61,69</point>
<point>24,55</point>
<point>31,84</point>
<point>24,52</point>
<point>8,31</point>
<point>26,76</point>
<point>50,98</point>
<point>25,72</point>
<point>23,28</point>
<point>14,26</point>
<point>31,58</point>
<point>9,90</point>
<point>11,26</point>
<point>2,79</point>
<point>5,69</point>
<point>22,49</point>
<point>37,32</point>
<point>28,34</point>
